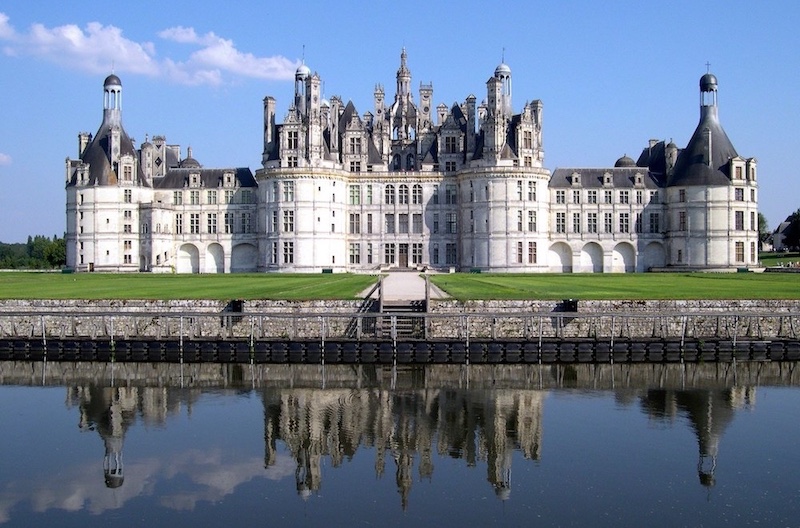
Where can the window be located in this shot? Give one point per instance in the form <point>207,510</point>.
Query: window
<point>194,223</point>
<point>450,166</point>
<point>212,197</point>
<point>682,221</point>
<point>288,252</point>
<point>194,197</point>
<point>519,190</point>
<point>561,197</point>
<point>450,195</point>
<point>639,197</point>
<point>369,253</point>
<point>355,195</point>
<point>288,221</point>
<point>126,259</point>
<point>753,253</point>
<point>452,225</point>
<point>591,222</point>
<point>561,221</point>
<point>576,197</point>
<point>416,253</point>
<point>591,197</point>
<point>653,196</point>
<point>355,253</point>
<point>178,224</point>
<point>247,196</point>
<point>739,194</point>
<point>229,195</point>
<point>607,197</point>
<point>451,254</point>
<point>520,254</point>
<point>416,223</point>
<point>177,198</point>
<point>531,252</point>
<point>288,191</point>
<point>527,139</point>
<point>126,244</point>
<point>450,146</point>
<point>738,173</point>
<point>752,195</point>
<point>654,223</point>
<point>292,139</point>
<point>531,221</point>
<point>127,214</point>
<point>389,197</point>
<point>369,194</point>
<point>416,194</point>
<point>389,254</point>
<point>128,196</point>
<point>435,222</point>
<point>211,223</point>
<point>435,253</point>
<point>682,195</point>
<point>355,145</point>
<point>753,223</point>
<point>228,223</point>
<point>403,223</point>
<point>355,166</point>
<point>531,191</point>
<point>520,223</point>
<point>739,251</point>
<point>624,197</point>
<point>402,195</point>
<point>127,173</point>
<point>435,196</point>
<point>291,161</point>
<point>624,223</point>
<point>355,223</point>
<point>576,222</point>
<point>274,255</point>
<point>638,223</point>
<point>273,225</point>
<point>739,219</point>
<point>608,223</point>
<point>247,225</point>
<point>369,224</point>
<point>389,223</point>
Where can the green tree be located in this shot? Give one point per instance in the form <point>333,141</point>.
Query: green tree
<point>763,230</point>
<point>56,253</point>
<point>791,236</point>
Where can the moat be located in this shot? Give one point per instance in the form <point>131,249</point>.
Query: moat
<point>124,444</point>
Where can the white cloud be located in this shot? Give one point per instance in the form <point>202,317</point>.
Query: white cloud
<point>5,159</point>
<point>98,48</point>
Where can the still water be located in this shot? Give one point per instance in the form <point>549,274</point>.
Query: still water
<point>584,445</point>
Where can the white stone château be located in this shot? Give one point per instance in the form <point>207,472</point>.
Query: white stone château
<point>407,185</point>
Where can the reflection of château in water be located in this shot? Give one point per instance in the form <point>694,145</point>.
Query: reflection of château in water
<point>480,425</point>
<point>112,410</point>
<point>709,411</point>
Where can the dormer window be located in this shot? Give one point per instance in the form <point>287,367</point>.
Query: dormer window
<point>607,179</point>
<point>194,180</point>
<point>576,178</point>
<point>638,179</point>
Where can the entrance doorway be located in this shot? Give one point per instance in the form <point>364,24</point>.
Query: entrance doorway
<point>403,256</point>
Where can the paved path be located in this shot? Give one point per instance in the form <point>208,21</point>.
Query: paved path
<point>406,286</point>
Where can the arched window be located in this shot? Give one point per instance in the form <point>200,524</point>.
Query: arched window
<point>410,162</point>
<point>389,195</point>
<point>396,162</point>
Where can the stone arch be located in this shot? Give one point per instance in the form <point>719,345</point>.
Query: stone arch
<point>215,259</point>
<point>623,258</point>
<point>188,259</point>
<point>653,256</point>
<point>244,258</point>
<point>591,258</point>
<point>559,258</point>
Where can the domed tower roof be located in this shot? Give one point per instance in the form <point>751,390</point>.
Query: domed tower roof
<point>302,72</point>
<point>705,160</point>
<point>189,162</point>
<point>502,69</point>
<point>625,161</point>
<point>112,80</point>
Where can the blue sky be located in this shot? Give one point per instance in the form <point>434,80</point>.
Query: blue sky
<point>611,75</point>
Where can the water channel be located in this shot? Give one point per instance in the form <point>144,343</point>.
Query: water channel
<point>140,444</point>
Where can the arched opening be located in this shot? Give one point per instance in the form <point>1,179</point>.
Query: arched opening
<point>591,258</point>
<point>623,258</point>
<point>188,259</point>
<point>560,258</point>
<point>215,259</point>
<point>653,256</point>
<point>244,258</point>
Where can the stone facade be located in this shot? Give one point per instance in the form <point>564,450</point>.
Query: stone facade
<point>407,185</point>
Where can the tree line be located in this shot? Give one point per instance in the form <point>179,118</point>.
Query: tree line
<point>39,252</point>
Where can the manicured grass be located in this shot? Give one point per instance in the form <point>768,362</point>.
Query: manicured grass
<point>769,258</point>
<point>21,285</point>
<point>465,286</point>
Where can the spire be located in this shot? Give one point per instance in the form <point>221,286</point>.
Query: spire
<point>403,76</point>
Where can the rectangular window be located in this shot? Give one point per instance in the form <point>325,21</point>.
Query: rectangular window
<point>435,195</point>
<point>608,223</point>
<point>288,252</point>
<point>639,197</point>
<point>654,223</point>
<point>389,223</point>
<point>591,197</point>
<point>355,195</point>
<point>738,173</point>
<point>416,194</point>
<point>520,223</point>
<point>451,254</point>
<point>355,223</point>
<point>355,145</point>
<point>389,196</point>
<point>288,191</point>
<point>576,197</point>
<point>450,195</point>
<point>402,195</point>
<point>435,222</point>
<point>229,196</point>
<point>591,222</point>
<point>531,191</point>
<point>753,253</point>
<point>416,253</point>
<point>177,198</point>
<point>527,139</point>
<point>274,257</point>
<point>128,196</point>
<point>292,139</point>
<point>519,190</point>
<point>435,253</point>
<point>273,226</point>
<point>211,223</point>
<point>624,223</point>
<point>212,197</point>
<point>607,196</point>
<point>739,251</point>
<point>638,223</point>
<point>561,197</point>
<point>531,221</point>
<point>624,197</point>
<point>369,224</point>
<point>127,244</point>
<point>561,222</point>
<point>194,197</point>
<point>531,252</point>
<point>753,223</point>
<point>288,221</point>
<point>355,166</point>
<point>389,254</point>
<point>355,253</point>
<point>452,225</point>
<point>416,223</point>
<point>739,218</point>
<point>402,223</point>
<point>752,195</point>
<point>682,221</point>
<point>369,253</point>
<point>247,225</point>
<point>450,146</point>
<point>179,224</point>
<point>247,196</point>
<point>520,252</point>
<point>653,196</point>
<point>228,223</point>
<point>576,222</point>
<point>682,195</point>
<point>739,194</point>
<point>194,223</point>
<point>369,194</point>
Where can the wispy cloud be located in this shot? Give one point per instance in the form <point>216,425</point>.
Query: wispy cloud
<point>96,48</point>
<point>5,159</point>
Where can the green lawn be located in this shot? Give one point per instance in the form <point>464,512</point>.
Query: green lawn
<point>608,286</point>
<point>22,285</point>
<point>769,258</point>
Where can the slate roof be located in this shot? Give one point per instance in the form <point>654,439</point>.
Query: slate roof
<point>98,156</point>
<point>178,178</point>
<point>592,178</point>
<point>692,167</point>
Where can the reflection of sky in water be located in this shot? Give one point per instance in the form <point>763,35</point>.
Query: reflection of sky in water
<point>558,457</point>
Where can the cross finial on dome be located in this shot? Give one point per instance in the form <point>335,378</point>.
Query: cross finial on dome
<point>708,67</point>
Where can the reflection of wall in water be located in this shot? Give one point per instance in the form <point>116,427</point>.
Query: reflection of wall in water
<point>709,411</point>
<point>479,425</point>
